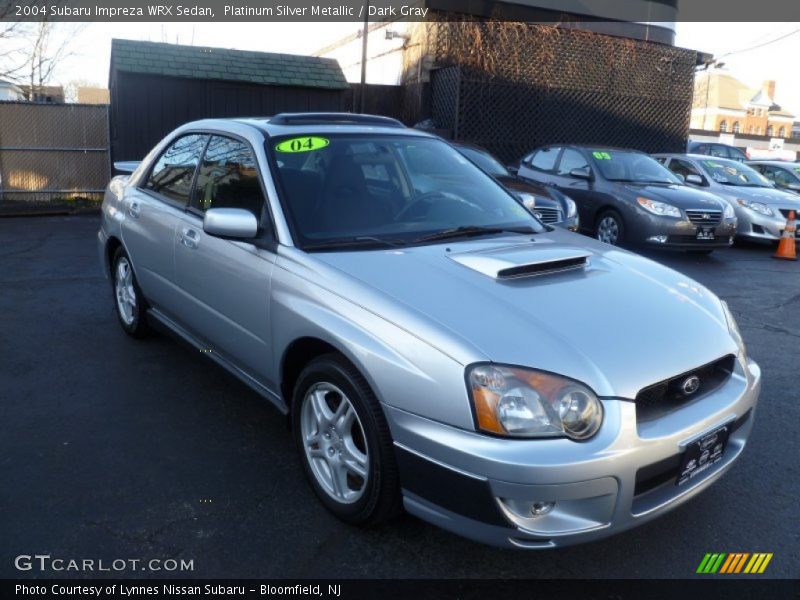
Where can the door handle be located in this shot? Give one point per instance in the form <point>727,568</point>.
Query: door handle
<point>134,209</point>
<point>189,238</point>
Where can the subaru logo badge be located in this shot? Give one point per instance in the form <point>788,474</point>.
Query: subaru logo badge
<point>690,385</point>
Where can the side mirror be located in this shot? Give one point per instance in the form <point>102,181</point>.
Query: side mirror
<point>694,179</point>
<point>513,169</point>
<point>230,223</point>
<point>795,187</point>
<point>681,177</point>
<point>583,173</point>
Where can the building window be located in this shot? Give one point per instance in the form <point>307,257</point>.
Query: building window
<point>723,126</point>
<point>782,132</point>
<point>736,127</point>
<point>771,130</point>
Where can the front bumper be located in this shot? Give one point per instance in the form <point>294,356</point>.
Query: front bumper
<point>670,232</point>
<point>570,224</point>
<point>474,485</point>
<point>755,226</point>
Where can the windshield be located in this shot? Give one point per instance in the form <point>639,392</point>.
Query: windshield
<point>729,172</point>
<point>634,167</point>
<point>387,190</point>
<point>484,160</point>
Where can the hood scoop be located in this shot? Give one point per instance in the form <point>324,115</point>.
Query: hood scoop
<point>522,261</point>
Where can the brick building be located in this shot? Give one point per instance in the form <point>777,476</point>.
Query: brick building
<point>723,103</point>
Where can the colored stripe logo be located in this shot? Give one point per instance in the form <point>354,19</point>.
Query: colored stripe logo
<point>735,562</point>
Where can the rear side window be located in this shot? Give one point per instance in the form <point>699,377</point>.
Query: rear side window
<point>174,170</point>
<point>544,159</point>
<point>228,177</point>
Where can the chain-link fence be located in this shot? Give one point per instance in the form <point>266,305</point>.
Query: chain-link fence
<point>52,156</point>
<point>512,87</point>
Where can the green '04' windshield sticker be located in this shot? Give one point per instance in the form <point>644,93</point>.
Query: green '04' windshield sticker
<point>601,155</point>
<point>302,144</point>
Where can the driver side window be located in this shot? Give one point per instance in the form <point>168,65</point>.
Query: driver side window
<point>544,159</point>
<point>228,177</point>
<point>681,167</point>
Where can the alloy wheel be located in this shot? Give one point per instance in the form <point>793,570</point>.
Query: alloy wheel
<point>334,443</point>
<point>125,292</point>
<point>608,230</point>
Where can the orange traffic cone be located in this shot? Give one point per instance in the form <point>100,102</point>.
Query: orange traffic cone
<point>786,249</point>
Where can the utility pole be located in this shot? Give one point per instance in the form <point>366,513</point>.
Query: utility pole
<point>364,35</point>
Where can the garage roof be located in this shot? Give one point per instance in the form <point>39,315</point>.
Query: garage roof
<point>201,62</point>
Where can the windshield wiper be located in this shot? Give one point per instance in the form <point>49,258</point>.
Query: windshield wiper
<point>472,230</point>
<point>355,242</point>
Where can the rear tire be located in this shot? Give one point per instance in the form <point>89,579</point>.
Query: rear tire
<point>344,442</point>
<point>610,228</point>
<point>129,303</point>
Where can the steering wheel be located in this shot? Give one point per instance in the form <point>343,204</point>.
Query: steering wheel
<point>419,200</point>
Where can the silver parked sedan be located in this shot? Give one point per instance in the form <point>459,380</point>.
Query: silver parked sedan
<point>761,208</point>
<point>438,350</point>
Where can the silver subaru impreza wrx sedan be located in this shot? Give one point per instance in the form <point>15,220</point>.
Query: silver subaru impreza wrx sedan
<point>435,346</point>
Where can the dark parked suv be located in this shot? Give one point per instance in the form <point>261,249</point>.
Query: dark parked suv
<point>548,204</point>
<point>716,149</point>
<point>627,196</point>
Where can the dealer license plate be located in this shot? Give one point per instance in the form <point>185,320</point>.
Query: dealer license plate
<point>702,453</point>
<point>705,233</point>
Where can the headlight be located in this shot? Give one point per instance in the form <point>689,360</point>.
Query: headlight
<point>756,206</point>
<point>733,328</point>
<point>572,208</point>
<point>728,211</point>
<point>528,200</point>
<point>659,208</point>
<point>518,402</point>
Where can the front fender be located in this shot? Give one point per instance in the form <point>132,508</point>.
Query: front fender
<point>402,370</point>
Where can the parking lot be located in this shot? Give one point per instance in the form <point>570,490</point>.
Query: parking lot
<point>112,448</point>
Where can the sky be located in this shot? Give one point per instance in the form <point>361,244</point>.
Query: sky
<point>92,46</point>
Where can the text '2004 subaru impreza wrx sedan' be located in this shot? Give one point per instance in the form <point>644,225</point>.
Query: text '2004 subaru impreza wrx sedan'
<point>435,346</point>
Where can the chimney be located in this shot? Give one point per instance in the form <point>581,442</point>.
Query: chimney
<point>769,87</point>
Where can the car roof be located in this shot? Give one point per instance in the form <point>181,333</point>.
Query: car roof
<point>776,163</point>
<point>691,155</point>
<point>313,123</point>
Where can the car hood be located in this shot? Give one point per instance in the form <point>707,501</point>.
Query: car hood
<point>520,186</point>
<point>768,196</point>
<point>678,195</point>
<point>618,324</point>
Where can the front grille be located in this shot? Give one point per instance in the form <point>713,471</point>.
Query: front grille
<point>663,397</point>
<point>704,217</point>
<point>547,215</point>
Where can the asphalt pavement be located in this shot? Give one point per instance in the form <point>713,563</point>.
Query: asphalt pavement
<point>112,448</point>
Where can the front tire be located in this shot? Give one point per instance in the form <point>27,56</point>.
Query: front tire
<point>610,228</point>
<point>129,302</point>
<point>344,442</point>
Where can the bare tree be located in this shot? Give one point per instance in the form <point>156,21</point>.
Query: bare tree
<point>47,52</point>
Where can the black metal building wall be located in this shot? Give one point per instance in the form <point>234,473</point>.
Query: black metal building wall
<point>144,108</point>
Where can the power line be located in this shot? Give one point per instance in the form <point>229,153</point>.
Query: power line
<point>767,43</point>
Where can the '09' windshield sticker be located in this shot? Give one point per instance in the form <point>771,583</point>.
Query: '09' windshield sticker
<point>302,144</point>
<point>601,155</point>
